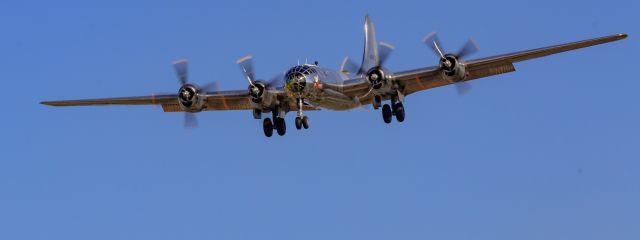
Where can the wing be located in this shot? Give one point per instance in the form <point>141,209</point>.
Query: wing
<point>221,100</point>
<point>426,78</point>
<point>142,100</point>
<point>215,101</point>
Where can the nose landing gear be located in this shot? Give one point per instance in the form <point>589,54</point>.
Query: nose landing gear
<point>301,120</point>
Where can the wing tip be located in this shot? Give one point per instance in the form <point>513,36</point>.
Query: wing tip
<point>622,35</point>
<point>53,103</point>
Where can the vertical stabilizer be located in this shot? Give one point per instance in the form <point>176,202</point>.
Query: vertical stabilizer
<point>370,56</point>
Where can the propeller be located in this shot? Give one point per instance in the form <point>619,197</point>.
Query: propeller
<point>190,120</point>
<point>210,87</point>
<point>246,66</point>
<point>384,50</point>
<point>470,47</point>
<point>181,68</point>
<point>348,66</point>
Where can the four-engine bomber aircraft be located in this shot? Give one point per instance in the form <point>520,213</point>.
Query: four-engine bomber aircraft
<point>310,87</point>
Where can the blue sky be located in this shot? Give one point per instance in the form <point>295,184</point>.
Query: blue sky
<point>547,152</point>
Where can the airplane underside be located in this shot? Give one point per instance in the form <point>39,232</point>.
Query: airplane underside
<point>311,87</point>
<point>333,100</point>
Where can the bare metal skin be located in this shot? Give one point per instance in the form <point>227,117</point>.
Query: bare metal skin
<point>310,87</point>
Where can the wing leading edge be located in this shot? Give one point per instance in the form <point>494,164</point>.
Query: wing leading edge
<point>142,100</point>
<point>222,100</point>
<point>215,101</point>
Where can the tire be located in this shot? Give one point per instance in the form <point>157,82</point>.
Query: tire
<point>298,123</point>
<point>399,110</point>
<point>267,125</point>
<point>281,126</point>
<point>305,122</point>
<point>386,113</point>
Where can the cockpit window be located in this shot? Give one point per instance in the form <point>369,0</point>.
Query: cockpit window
<point>296,77</point>
<point>297,72</point>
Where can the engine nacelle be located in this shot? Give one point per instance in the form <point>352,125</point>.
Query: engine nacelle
<point>189,98</point>
<point>376,77</point>
<point>453,68</point>
<point>256,92</point>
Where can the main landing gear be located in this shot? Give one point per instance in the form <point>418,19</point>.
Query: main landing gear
<point>278,123</point>
<point>396,109</point>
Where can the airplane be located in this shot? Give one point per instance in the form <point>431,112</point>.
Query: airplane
<point>307,87</point>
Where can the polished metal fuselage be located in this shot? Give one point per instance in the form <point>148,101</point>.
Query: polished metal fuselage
<point>323,88</point>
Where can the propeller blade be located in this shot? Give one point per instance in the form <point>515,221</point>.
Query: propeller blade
<point>348,66</point>
<point>190,120</point>
<point>469,48</point>
<point>276,81</point>
<point>463,88</point>
<point>384,51</point>
<point>181,70</point>
<point>211,87</point>
<point>246,65</point>
<point>433,42</point>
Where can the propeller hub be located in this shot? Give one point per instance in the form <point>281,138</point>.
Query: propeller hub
<point>376,77</point>
<point>189,98</point>
<point>256,91</point>
<point>449,62</point>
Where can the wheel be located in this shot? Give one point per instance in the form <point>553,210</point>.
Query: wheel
<point>267,125</point>
<point>399,112</point>
<point>298,123</point>
<point>281,126</point>
<point>305,122</point>
<point>386,113</point>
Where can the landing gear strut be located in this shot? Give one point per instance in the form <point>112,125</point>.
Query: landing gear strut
<point>301,120</point>
<point>377,102</point>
